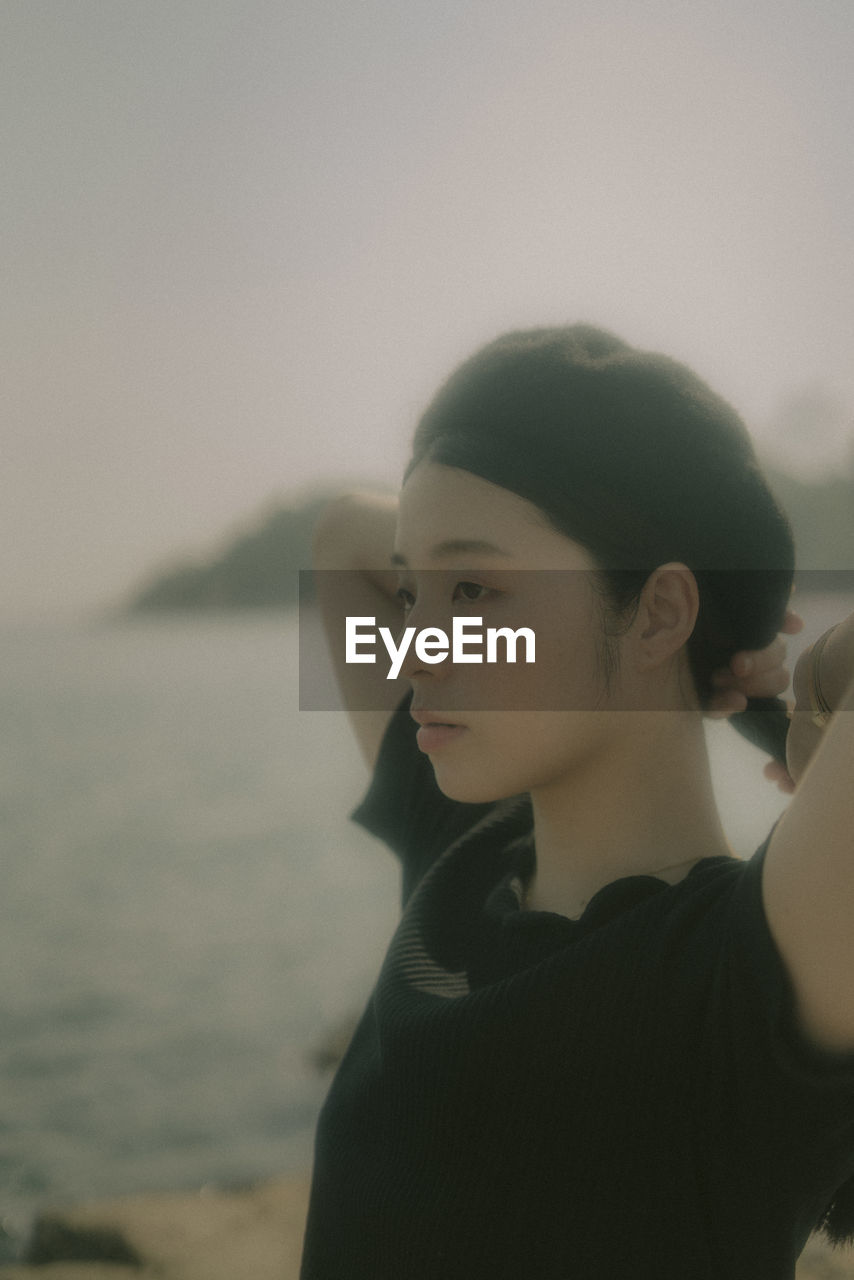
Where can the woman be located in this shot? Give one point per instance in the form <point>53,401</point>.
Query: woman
<point>600,1045</point>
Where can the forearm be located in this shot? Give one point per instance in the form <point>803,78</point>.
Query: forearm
<point>836,665</point>
<point>352,544</point>
<point>833,753</point>
<point>356,532</point>
<point>808,877</point>
<point>831,678</point>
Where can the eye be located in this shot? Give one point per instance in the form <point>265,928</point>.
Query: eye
<point>474,587</point>
<point>470,592</point>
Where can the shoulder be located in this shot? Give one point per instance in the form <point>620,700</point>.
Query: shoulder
<point>720,917</point>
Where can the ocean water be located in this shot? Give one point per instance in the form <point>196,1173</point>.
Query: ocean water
<point>186,913</point>
<point>185,909</point>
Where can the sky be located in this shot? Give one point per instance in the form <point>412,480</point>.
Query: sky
<point>244,240</point>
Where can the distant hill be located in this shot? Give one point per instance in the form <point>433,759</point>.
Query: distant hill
<point>258,568</point>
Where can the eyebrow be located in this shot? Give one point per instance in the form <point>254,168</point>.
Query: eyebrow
<point>453,547</point>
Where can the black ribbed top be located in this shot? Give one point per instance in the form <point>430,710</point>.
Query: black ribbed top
<point>533,1098</point>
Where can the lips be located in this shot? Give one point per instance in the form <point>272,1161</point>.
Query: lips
<point>424,717</point>
<point>431,738</point>
<point>435,732</point>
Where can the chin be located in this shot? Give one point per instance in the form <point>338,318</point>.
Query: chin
<point>456,786</point>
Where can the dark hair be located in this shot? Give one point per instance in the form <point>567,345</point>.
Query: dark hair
<point>631,455</point>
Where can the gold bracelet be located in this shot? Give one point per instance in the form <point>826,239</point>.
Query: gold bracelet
<point>820,712</point>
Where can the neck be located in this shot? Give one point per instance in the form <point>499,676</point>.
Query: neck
<point>644,806</point>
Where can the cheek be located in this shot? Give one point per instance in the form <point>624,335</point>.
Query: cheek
<point>487,764</point>
<point>565,676</point>
<point>569,677</point>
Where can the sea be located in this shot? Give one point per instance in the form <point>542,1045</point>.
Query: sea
<point>187,915</point>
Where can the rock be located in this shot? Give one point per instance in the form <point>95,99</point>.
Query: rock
<point>221,1235</point>
<point>54,1236</point>
<point>75,1271</point>
<point>204,1235</point>
<point>820,1262</point>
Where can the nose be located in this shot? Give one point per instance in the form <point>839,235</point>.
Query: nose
<point>432,635</point>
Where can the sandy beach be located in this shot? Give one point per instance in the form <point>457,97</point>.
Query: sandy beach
<point>218,1235</point>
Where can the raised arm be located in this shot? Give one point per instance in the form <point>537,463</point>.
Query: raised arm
<point>355,533</point>
<point>809,868</point>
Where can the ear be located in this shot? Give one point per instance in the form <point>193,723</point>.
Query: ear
<point>669,603</point>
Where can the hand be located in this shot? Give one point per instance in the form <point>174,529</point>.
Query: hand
<point>757,673</point>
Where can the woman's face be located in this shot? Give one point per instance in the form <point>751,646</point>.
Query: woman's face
<point>468,548</point>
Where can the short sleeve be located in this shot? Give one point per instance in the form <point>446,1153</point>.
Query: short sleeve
<point>404,806</point>
<point>811,1066</point>
<point>787,1102</point>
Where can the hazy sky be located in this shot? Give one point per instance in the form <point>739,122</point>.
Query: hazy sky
<point>244,239</point>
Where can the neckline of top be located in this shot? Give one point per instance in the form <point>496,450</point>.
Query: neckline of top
<point>507,898</point>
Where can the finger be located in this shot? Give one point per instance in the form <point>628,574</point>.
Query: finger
<point>751,662</point>
<point>725,703</point>
<point>766,684</point>
<point>759,673</point>
<point>776,772</point>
